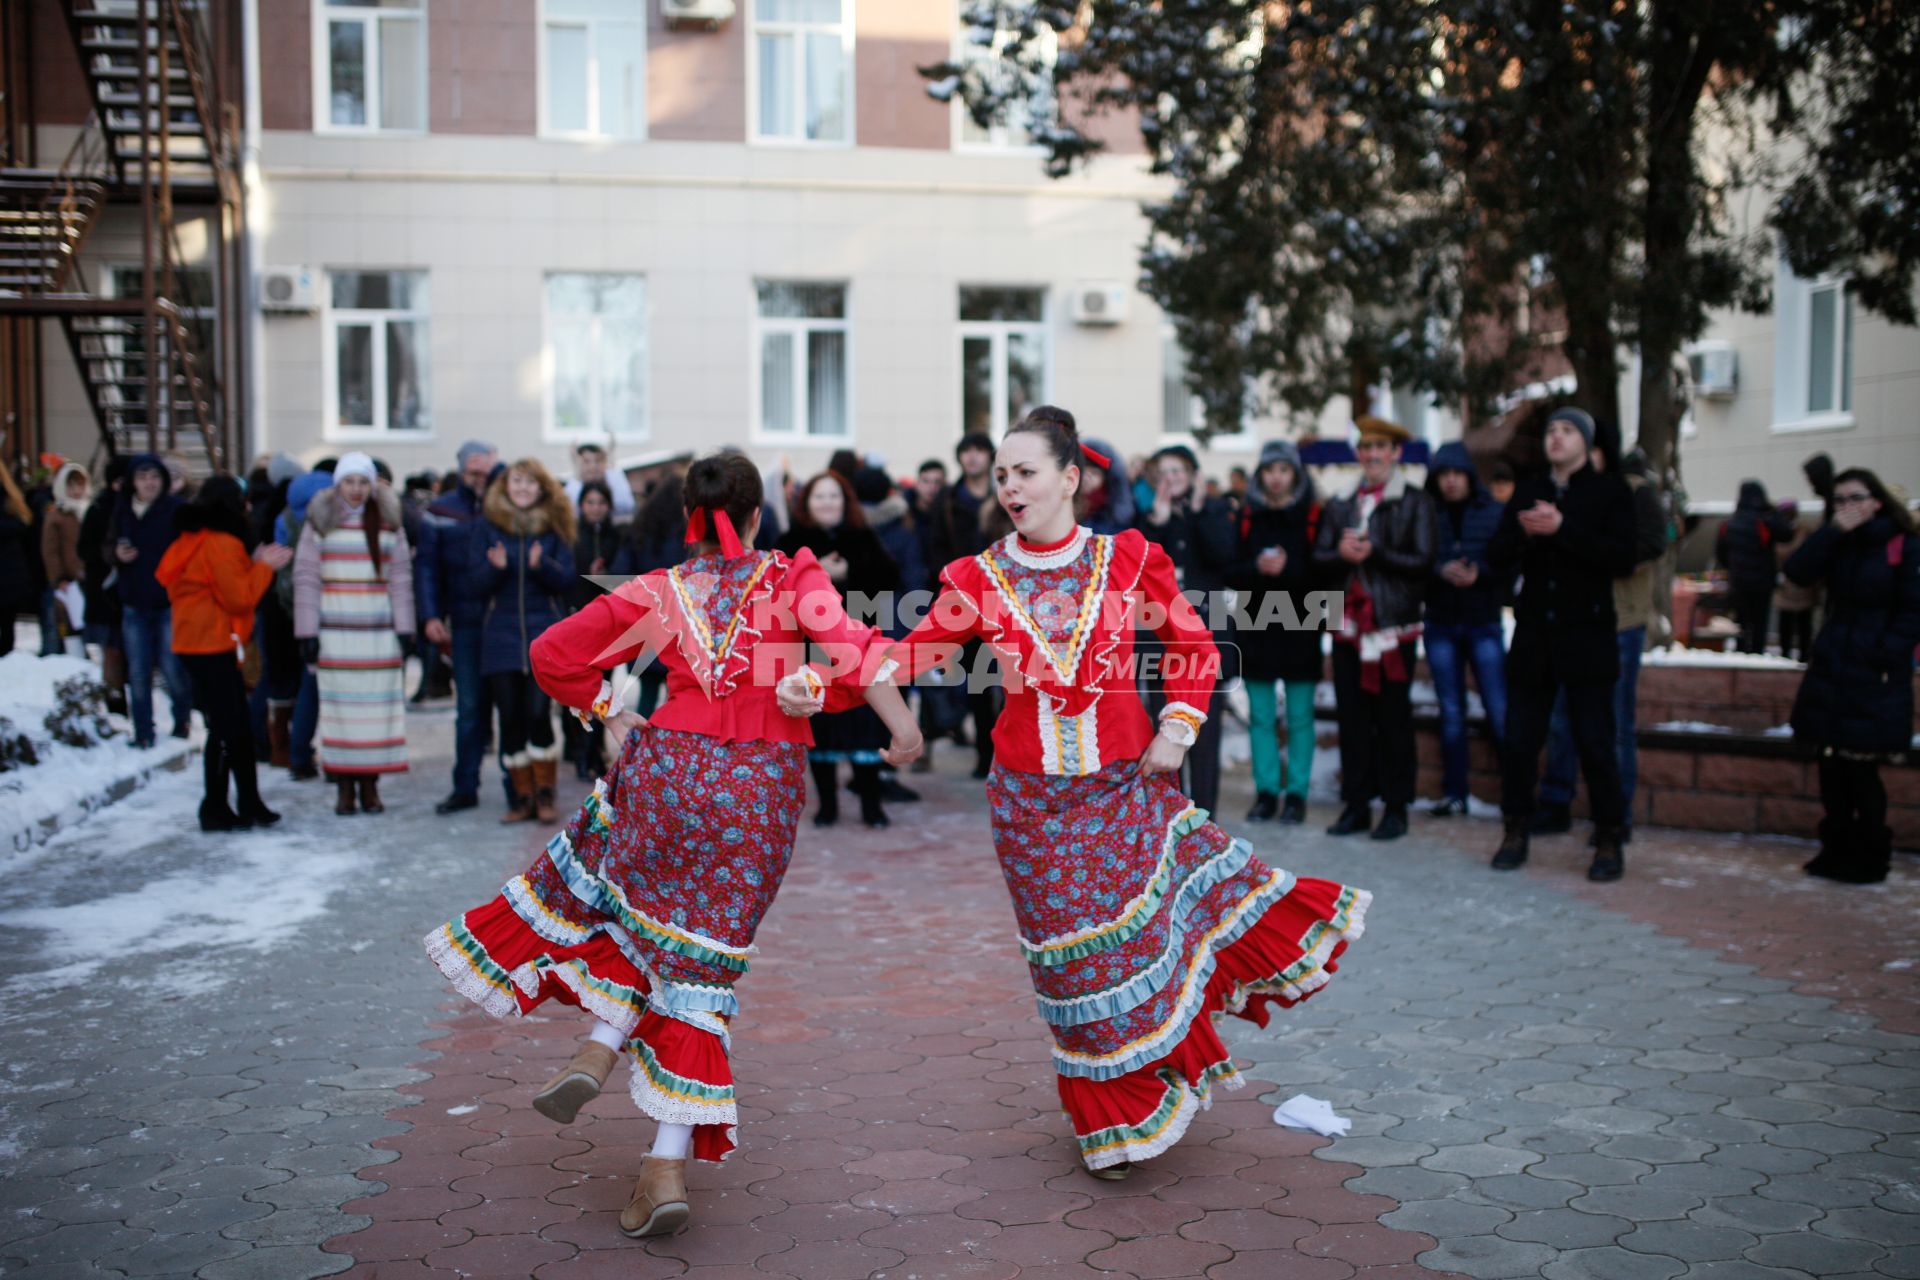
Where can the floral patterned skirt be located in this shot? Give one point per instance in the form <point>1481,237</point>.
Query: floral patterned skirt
<point>1141,922</point>
<point>642,912</point>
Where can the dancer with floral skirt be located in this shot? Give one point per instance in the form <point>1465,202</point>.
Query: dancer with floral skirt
<point>642,911</point>
<point>1140,920</point>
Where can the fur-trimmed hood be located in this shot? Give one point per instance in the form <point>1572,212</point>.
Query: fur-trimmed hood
<point>323,510</point>
<point>554,514</point>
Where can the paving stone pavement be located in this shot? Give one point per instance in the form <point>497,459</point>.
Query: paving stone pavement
<point>226,1057</point>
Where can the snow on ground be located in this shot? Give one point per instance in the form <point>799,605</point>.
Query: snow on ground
<point>69,782</point>
<point>181,918</point>
<point>1682,657</point>
<point>1689,726</point>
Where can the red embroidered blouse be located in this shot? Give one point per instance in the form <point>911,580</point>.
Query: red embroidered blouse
<point>726,631</point>
<point>1061,619</point>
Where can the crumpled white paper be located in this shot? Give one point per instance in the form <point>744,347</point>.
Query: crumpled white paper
<point>1315,1114</point>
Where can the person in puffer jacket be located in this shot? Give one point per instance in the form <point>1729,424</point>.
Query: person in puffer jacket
<point>1462,628</point>
<point>1855,705</point>
<point>1745,548</point>
<point>524,555</point>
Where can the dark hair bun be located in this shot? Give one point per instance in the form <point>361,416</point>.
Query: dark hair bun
<point>728,481</point>
<point>1059,417</point>
<point>1055,426</point>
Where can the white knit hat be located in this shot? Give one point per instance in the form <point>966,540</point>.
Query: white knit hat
<point>355,464</point>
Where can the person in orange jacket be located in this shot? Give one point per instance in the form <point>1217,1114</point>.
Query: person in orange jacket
<point>214,585</point>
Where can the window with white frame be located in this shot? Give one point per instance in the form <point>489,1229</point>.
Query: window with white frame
<point>1015,132</point>
<point>1182,413</point>
<point>802,338</point>
<point>1813,352</point>
<point>596,357</point>
<point>594,59</point>
<point>371,72</point>
<point>803,71</point>
<point>1003,356</point>
<point>376,353</point>
<point>1829,348</point>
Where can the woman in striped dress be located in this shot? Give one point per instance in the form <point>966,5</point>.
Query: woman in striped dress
<point>353,614</point>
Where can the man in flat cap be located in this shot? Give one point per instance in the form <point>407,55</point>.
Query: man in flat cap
<point>1378,540</point>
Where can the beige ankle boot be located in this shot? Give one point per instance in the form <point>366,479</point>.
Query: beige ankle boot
<point>576,1084</point>
<point>659,1203</point>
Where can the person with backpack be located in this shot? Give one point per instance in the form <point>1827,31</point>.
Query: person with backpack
<point>1745,549</point>
<point>1855,704</point>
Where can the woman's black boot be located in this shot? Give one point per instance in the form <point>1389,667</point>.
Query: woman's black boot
<point>866,780</point>
<point>825,785</point>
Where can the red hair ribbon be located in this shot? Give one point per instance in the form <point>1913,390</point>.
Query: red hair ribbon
<point>1097,458</point>
<point>722,529</point>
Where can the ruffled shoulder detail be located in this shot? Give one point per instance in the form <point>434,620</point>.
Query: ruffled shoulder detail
<point>1127,562</point>
<point>708,606</point>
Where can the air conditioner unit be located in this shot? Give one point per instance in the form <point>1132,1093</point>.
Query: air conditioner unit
<point>703,13</point>
<point>1715,367</point>
<point>289,289</point>
<point>1100,303</point>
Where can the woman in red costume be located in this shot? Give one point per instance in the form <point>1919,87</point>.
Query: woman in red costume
<point>1140,920</point>
<point>642,911</point>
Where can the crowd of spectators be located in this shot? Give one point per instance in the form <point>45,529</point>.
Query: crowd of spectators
<point>275,606</point>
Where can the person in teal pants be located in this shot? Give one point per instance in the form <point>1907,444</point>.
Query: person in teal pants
<point>1274,571</point>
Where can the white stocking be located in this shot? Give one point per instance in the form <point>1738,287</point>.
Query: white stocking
<point>609,1035</point>
<point>672,1141</point>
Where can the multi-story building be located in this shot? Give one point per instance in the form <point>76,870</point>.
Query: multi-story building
<point>547,221</point>
<point>1818,374</point>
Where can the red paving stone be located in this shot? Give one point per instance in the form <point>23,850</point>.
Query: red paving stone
<point>883,1133</point>
<point>1857,945</point>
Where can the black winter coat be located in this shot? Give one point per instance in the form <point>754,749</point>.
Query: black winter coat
<point>1565,607</point>
<point>1274,651</point>
<point>1857,695</point>
<point>1478,518</point>
<point>151,534</point>
<point>96,552</point>
<point>19,554</point>
<point>870,570</point>
<point>1748,539</point>
<point>1202,544</point>
<point>602,542</point>
<point>956,530</point>
<point>1396,574</point>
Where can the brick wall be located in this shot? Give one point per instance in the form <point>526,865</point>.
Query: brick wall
<point>1702,782</point>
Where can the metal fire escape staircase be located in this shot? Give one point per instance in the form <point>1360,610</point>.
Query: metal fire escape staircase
<point>149,385</point>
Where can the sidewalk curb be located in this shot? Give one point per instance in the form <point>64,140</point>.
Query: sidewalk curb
<point>36,833</point>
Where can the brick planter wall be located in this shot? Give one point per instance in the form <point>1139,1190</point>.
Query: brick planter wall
<point>1737,781</point>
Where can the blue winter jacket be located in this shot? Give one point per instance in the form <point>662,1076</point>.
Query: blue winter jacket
<point>446,582</point>
<point>151,534</point>
<point>519,603</point>
<point>1479,604</point>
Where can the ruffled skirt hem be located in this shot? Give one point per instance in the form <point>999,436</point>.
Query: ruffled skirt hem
<point>681,1073</point>
<point>1141,1114</point>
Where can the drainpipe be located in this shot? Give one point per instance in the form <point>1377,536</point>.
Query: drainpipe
<point>250,237</point>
